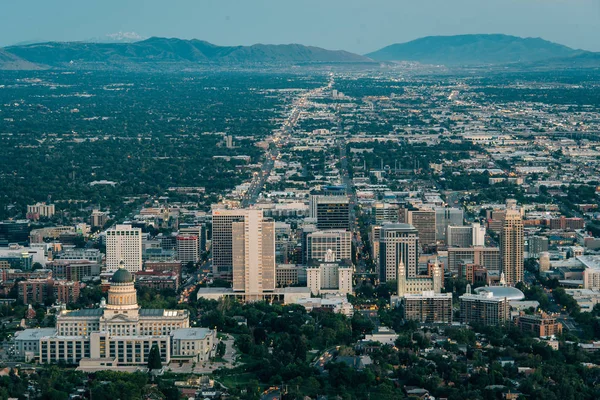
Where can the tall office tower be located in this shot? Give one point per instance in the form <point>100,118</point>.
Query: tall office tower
<point>284,243</point>
<point>424,222</point>
<point>459,236</point>
<point>495,220</point>
<point>488,257</point>
<point>253,255</point>
<point>124,243</point>
<point>445,217</point>
<point>536,245</point>
<point>511,244</point>
<point>339,242</point>
<point>333,212</point>
<point>196,230</point>
<point>385,212</point>
<point>187,248</point>
<point>478,234</point>
<point>398,242</point>
<point>222,221</point>
<point>312,205</point>
<point>374,236</point>
<point>305,231</point>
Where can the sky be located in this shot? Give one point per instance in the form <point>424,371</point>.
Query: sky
<point>359,26</point>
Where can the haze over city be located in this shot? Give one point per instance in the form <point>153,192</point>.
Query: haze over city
<point>354,25</point>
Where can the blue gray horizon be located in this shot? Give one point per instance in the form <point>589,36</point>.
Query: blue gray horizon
<point>359,26</point>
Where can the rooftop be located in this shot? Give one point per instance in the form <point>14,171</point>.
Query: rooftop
<point>190,333</point>
<point>34,334</point>
<point>85,312</point>
<point>510,293</point>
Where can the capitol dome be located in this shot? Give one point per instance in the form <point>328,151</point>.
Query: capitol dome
<point>122,276</point>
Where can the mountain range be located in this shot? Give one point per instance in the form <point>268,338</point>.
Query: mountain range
<point>163,50</point>
<point>462,50</point>
<point>473,50</point>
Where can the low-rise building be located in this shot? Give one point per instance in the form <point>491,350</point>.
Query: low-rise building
<point>539,324</point>
<point>34,291</point>
<point>193,344</point>
<point>157,280</point>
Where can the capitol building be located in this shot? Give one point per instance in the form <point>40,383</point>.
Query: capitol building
<point>118,333</point>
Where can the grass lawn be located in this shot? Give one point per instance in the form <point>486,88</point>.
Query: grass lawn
<point>236,380</point>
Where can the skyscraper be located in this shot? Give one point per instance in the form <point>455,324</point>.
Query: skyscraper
<point>320,242</point>
<point>478,234</point>
<point>333,212</point>
<point>385,212</point>
<point>253,254</point>
<point>511,244</point>
<point>445,216</point>
<point>187,248</point>
<point>459,236</point>
<point>124,243</point>
<point>424,222</point>
<point>222,221</point>
<point>398,242</point>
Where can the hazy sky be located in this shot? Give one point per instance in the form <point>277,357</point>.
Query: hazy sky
<point>355,25</point>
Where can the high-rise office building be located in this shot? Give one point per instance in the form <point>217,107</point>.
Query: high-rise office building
<point>124,243</point>
<point>488,257</point>
<point>375,234</point>
<point>478,234</point>
<point>424,222</point>
<point>253,255</point>
<point>444,217</point>
<point>187,248</point>
<point>536,245</point>
<point>398,242</point>
<point>14,232</point>
<point>222,221</point>
<point>332,212</point>
<point>459,236</point>
<point>511,244</point>
<point>383,212</point>
<point>196,230</point>
<point>304,232</point>
<point>320,242</point>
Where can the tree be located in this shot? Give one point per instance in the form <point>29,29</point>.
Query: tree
<point>36,265</point>
<point>154,360</point>
<point>221,348</point>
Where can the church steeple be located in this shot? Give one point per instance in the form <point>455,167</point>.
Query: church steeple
<point>401,279</point>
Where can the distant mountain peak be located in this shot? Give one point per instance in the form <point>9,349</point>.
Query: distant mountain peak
<point>473,49</point>
<point>118,37</point>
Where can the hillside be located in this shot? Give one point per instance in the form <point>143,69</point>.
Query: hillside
<point>11,62</point>
<point>473,50</point>
<point>178,51</point>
